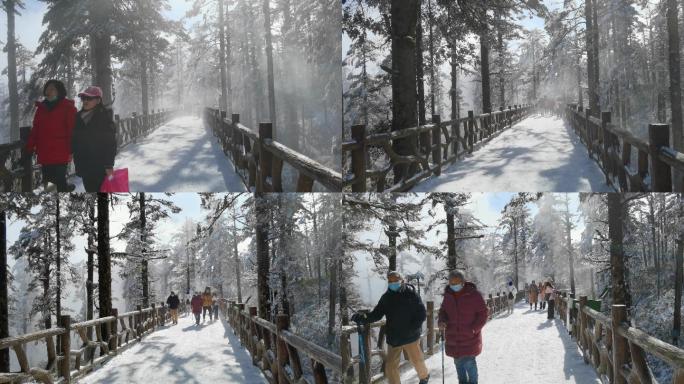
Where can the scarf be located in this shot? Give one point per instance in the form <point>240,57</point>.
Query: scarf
<point>50,105</point>
<point>87,115</point>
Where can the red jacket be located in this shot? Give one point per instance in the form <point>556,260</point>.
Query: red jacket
<point>465,314</point>
<point>50,137</point>
<point>196,304</point>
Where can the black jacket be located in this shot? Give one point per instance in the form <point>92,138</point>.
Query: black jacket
<point>404,313</point>
<point>173,302</point>
<point>94,144</point>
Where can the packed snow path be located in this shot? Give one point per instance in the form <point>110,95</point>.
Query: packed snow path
<point>180,156</point>
<point>523,347</point>
<point>540,153</point>
<point>183,353</point>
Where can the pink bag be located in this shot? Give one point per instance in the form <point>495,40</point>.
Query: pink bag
<point>117,182</point>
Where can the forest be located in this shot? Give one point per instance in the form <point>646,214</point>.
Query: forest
<point>272,60</point>
<point>458,56</point>
<point>620,249</point>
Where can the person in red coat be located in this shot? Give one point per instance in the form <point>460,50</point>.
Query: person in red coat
<point>50,136</point>
<point>462,316</point>
<point>196,304</point>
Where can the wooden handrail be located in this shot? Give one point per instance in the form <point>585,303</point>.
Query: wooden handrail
<point>259,159</point>
<point>433,146</point>
<point>20,172</point>
<point>612,148</point>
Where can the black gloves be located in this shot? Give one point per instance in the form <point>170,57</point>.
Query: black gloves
<point>359,318</point>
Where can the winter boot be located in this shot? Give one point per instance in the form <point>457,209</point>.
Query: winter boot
<point>425,380</point>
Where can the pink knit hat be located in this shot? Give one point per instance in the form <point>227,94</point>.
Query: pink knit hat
<point>91,91</point>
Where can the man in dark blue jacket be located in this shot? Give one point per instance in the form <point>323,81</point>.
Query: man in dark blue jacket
<point>404,313</point>
<point>173,303</point>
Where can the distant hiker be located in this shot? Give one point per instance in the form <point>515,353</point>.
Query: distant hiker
<point>462,316</point>
<point>196,304</point>
<point>542,303</point>
<point>162,313</point>
<point>94,140</point>
<point>173,303</point>
<point>50,137</point>
<point>215,305</point>
<point>510,298</point>
<point>550,296</point>
<point>206,304</point>
<point>404,313</point>
<point>186,307</point>
<point>532,293</point>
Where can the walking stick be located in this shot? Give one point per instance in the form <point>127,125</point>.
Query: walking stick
<point>443,341</point>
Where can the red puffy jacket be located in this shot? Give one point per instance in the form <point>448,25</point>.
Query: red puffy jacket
<point>465,314</point>
<point>196,304</point>
<point>50,136</point>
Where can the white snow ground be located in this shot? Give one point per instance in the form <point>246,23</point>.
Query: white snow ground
<point>523,347</point>
<point>180,156</point>
<point>183,353</point>
<point>539,154</point>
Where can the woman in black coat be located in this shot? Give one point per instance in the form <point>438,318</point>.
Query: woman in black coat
<point>94,140</point>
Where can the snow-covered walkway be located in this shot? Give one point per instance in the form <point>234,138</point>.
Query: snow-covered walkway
<point>523,347</point>
<point>183,353</point>
<point>539,154</point>
<point>180,156</point>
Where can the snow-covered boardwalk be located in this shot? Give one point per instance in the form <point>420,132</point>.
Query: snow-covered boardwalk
<point>180,156</point>
<point>539,153</point>
<point>523,347</point>
<point>182,353</point>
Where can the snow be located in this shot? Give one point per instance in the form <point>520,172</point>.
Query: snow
<point>180,156</point>
<point>183,353</point>
<point>523,347</point>
<point>539,154</point>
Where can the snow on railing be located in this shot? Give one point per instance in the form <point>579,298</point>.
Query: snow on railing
<point>71,348</point>
<point>19,172</point>
<point>259,159</point>
<point>614,348</point>
<point>413,154</point>
<point>276,350</point>
<point>614,149</point>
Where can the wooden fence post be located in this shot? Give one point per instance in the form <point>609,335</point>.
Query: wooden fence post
<point>282,323</point>
<point>437,144</point>
<point>584,133</point>
<point>265,132</point>
<point>584,345</point>
<point>605,158</point>
<point>114,335</point>
<point>64,321</point>
<point>252,345</point>
<point>469,130</point>
<point>345,354</point>
<point>26,162</point>
<point>365,371</point>
<point>430,327</point>
<point>661,176</point>
<point>619,316</point>
<point>241,326</point>
<point>358,158</point>
<point>139,323</point>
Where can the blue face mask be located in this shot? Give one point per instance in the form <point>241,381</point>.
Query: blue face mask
<point>394,286</point>
<point>51,98</point>
<point>456,287</point>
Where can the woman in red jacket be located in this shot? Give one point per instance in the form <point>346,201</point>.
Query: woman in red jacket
<point>462,316</point>
<point>50,137</point>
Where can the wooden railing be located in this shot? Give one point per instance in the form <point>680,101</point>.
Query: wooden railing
<point>437,145</point>
<point>259,159</point>
<point>20,172</point>
<point>71,348</point>
<point>614,348</point>
<point>629,163</point>
<point>277,351</point>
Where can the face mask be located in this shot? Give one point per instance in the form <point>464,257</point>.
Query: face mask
<point>394,286</point>
<point>51,98</point>
<point>456,287</point>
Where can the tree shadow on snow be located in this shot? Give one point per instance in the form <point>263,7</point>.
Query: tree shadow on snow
<point>573,364</point>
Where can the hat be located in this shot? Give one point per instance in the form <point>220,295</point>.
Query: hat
<point>91,91</point>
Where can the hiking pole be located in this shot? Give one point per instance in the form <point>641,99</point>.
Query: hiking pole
<point>362,348</point>
<point>443,342</point>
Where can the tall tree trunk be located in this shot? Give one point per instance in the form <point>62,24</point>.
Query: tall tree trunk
<point>431,49</point>
<point>591,36</point>
<point>144,86</point>
<point>237,259</point>
<point>404,97</point>
<point>45,279</point>
<point>675,86</point>
<point>144,280</point>
<point>679,278</point>
<point>392,235</point>
<point>515,252</point>
<point>452,262</point>
<point>332,299</point>
<point>100,48</point>
<point>4,293</point>
<point>420,73</point>
<point>484,73</point>
<point>222,57</point>
<point>568,245</point>
<point>11,48</point>
<point>616,218</point>
<point>262,253</point>
<point>58,262</point>
<point>104,267</point>
<point>289,94</point>
<point>90,264</point>
<point>229,64</point>
<point>269,66</point>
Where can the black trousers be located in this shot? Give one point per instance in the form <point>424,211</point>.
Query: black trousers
<point>56,174</point>
<point>93,181</point>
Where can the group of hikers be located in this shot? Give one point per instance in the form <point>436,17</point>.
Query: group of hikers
<point>462,316</point>
<point>61,133</point>
<point>200,304</point>
<point>543,294</point>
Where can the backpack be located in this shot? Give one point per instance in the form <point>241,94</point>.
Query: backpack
<point>510,296</point>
